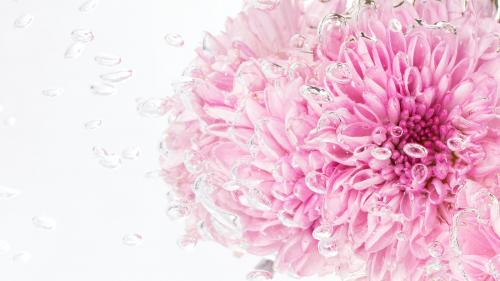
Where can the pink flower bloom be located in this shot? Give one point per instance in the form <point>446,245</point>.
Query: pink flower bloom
<point>363,142</point>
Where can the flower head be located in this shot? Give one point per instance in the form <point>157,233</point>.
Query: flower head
<point>345,139</point>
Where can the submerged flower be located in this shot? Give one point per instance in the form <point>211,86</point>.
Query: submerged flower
<point>361,140</point>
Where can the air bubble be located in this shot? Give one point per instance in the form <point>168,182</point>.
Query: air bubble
<point>117,76</point>
<point>381,153</point>
<point>82,35</point>
<point>153,107</point>
<point>338,73</point>
<point>24,21</point>
<point>75,50</point>
<point>108,60</point>
<point>132,239</point>
<point>436,249</point>
<point>174,40</point>
<point>323,232</point>
<point>316,182</point>
<point>415,150</point>
<point>328,248</point>
<point>103,89</point>
<point>131,153</point>
<point>419,173</point>
<point>44,222</point>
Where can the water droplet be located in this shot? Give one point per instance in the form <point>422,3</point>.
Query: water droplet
<point>322,232</point>
<point>187,242</point>
<point>338,73</point>
<point>272,70</point>
<point>4,247</point>
<point>456,143</point>
<point>92,124</point>
<point>231,185</point>
<point>131,153</point>
<point>10,121</point>
<point>8,193</point>
<point>259,200</point>
<point>153,107</point>
<point>88,6</point>
<point>53,92</point>
<point>381,153</point>
<point>21,257</point>
<point>107,159</point>
<point>194,161</point>
<point>316,182</point>
<point>82,35</point>
<point>44,222</point>
<point>396,131</point>
<point>419,172</point>
<point>432,267</point>
<point>436,249</point>
<point>328,248</point>
<point>315,94</point>
<point>132,239</point>
<point>395,25</point>
<point>297,41</point>
<point>24,21</point>
<point>174,40</point>
<point>108,60</point>
<point>117,76</point>
<point>330,21</point>
<point>103,89</point>
<point>286,219</point>
<point>446,26</point>
<point>265,4</point>
<point>153,174</point>
<point>415,150</point>
<point>401,236</point>
<point>329,119</point>
<point>264,270</point>
<point>483,202</point>
<point>75,50</point>
<point>178,210</point>
<point>493,267</point>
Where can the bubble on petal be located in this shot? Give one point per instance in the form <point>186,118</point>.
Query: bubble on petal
<point>54,92</point>
<point>415,150</point>
<point>103,89</point>
<point>21,257</point>
<point>271,70</point>
<point>456,143</point>
<point>316,182</point>
<point>75,50</point>
<point>446,26</point>
<point>436,249</point>
<point>493,267</point>
<point>419,172</point>
<point>381,153</point>
<point>7,193</point>
<point>396,131</point>
<point>131,153</point>
<point>322,232</point>
<point>44,222</point>
<point>193,161</point>
<point>264,270</point>
<point>82,35</point>
<point>108,60</point>
<point>174,40</point>
<point>286,219</point>
<point>315,94</point>
<point>395,25</point>
<point>328,248</point>
<point>132,239</point>
<point>24,21</point>
<point>88,6</point>
<point>258,200</point>
<point>401,236</point>
<point>338,73</point>
<point>265,4</point>
<point>117,76</point>
<point>92,124</point>
<point>297,41</point>
<point>483,202</point>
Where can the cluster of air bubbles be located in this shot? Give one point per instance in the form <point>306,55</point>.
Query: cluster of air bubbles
<point>113,160</point>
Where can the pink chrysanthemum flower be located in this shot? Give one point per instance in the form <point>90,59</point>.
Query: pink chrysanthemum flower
<point>357,140</point>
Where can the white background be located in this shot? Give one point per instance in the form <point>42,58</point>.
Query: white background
<point>48,153</point>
